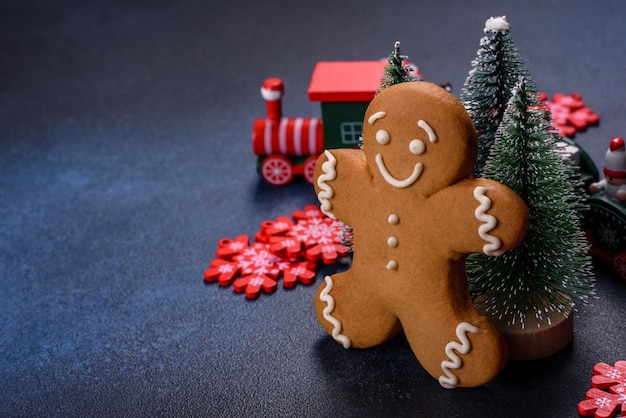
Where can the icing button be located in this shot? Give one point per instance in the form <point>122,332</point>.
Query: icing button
<point>392,241</point>
<point>393,219</point>
<point>392,265</point>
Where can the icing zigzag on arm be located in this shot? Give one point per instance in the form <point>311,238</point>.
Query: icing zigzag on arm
<point>449,381</point>
<point>330,306</point>
<point>326,193</point>
<point>489,222</point>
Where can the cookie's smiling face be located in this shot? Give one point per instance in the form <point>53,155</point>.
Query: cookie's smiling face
<point>418,136</point>
<point>415,147</point>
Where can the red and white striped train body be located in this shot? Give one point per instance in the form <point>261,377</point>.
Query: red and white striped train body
<point>285,146</point>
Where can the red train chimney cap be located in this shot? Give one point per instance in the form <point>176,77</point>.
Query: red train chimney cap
<point>272,89</point>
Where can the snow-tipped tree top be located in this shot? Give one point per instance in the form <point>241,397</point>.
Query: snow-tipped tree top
<point>497,24</point>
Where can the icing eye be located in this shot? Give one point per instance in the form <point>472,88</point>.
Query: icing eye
<point>417,147</point>
<point>382,136</point>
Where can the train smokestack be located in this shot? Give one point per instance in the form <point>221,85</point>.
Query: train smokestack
<point>272,91</point>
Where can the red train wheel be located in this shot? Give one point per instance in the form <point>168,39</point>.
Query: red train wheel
<point>309,167</point>
<point>277,170</point>
<point>620,264</point>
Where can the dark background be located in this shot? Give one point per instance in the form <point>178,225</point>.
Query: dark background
<point>125,155</point>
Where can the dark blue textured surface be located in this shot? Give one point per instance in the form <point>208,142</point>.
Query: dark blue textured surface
<point>125,155</point>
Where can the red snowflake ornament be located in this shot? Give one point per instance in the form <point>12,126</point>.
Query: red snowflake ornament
<point>320,238</point>
<point>253,284</point>
<point>278,227</point>
<point>601,404</point>
<point>259,269</point>
<point>256,269</point>
<point>221,271</point>
<point>606,376</point>
<point>569,113</point>
<point>328,253</point>
<point>309,212</point>
<point>303,272</point>
<point>289,246</point>
<point>228,248</point>
<point>283,249</point>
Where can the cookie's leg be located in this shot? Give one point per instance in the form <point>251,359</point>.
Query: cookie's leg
<point>459,352</point>
<point>351,317</point>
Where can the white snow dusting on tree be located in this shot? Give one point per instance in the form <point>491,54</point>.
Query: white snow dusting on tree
<point>497,24</point>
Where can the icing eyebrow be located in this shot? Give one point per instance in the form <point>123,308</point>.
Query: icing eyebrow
<point>375,117</point>
<point>425,126</point>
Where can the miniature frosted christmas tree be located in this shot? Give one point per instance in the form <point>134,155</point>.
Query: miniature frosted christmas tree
<point>397,70</point>
<point>488,86</point>
<point>536,284</point>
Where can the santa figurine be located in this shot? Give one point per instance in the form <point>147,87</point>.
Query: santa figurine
<point>614,183</point>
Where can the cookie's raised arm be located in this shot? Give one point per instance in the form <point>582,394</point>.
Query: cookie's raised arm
<point>339,175</point>
<point>489,217</point>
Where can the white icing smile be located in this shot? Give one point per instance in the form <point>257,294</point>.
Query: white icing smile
<point>416,147</point>
<point>400,184</point>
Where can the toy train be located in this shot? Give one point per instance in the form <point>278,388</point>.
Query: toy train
<point>286,147</point>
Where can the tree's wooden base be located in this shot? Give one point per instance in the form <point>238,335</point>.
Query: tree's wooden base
<point>539,338</point>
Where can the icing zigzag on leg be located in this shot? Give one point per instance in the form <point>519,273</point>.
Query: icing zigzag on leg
<point>330,306</point>
<point>450,380</point>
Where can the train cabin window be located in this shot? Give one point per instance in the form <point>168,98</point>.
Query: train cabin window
<point>350,132</point>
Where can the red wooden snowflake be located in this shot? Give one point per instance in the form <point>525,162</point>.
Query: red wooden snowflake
<point>328,253</point>
<point>319,238</point>
<point>278,227</point>
<point>599,402</point>
<point>228,248</point>
<point>303,272</point>
<point>253,284</point>
<point>569,113</point>
<point>606,376</point>
<point>289,246</point>
<point>259,270</point>
<point>283,249</point>
<point>309,212</point>
<point>222,271</point>
<point>255,269</point>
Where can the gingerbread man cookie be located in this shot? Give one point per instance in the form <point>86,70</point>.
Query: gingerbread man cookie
<point>415,215</point>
